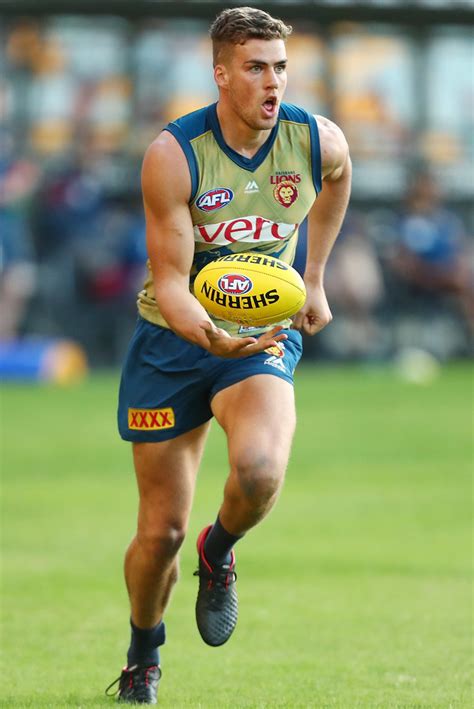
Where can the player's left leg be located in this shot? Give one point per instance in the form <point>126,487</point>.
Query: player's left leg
<point>258,417</point>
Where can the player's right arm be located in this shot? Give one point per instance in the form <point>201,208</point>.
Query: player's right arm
<point>166,187</point>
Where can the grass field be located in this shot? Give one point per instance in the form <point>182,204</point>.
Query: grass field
<point>355,592</point>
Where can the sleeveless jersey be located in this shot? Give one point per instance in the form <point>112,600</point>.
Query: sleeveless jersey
<point>244,204</point>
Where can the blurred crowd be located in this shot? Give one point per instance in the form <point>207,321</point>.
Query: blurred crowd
<point>73,261</point>
<point>401,278</point>
<point>78,112</point>
<point>72,256</point>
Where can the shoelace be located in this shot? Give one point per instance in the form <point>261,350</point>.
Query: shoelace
<point>220,578</point>
<point>128,672</point>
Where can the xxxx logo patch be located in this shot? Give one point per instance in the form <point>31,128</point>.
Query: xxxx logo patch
<point>150,419</point>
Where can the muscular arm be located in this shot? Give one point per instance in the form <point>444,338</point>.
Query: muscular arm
<point>166,187</point>
<point>324,223</point>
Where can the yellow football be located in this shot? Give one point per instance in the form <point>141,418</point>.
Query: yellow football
<point>250,289</point>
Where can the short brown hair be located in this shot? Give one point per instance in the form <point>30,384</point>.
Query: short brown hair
<point>238,24</point>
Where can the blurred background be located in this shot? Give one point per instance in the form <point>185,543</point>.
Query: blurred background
<point>375,523</point>
<point>83,92</point>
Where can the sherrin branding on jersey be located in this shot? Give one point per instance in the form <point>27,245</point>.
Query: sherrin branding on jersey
<point>244,204</point>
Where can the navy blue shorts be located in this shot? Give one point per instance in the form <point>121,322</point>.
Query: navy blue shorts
<point>168,383</point>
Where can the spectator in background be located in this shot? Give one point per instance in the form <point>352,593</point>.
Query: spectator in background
<point>18,180</point>
<point>92,256</point>
<point>356,287</point>
<point>431,256</point>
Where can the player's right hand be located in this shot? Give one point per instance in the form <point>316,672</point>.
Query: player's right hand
<point>222,344</point>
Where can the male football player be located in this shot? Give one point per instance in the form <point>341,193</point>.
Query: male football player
<point>271,165</point>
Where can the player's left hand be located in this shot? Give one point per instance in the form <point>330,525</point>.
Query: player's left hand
<point>224,345</point>
<point>315,314</point>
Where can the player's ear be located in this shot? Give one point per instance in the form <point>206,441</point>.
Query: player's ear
<point>221,76</point>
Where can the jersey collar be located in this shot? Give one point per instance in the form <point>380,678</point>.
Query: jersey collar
<point>250,164</point>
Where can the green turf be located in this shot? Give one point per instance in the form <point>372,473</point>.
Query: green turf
<point>355,592</point>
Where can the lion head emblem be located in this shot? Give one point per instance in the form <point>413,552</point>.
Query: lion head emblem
<point>286,193</point>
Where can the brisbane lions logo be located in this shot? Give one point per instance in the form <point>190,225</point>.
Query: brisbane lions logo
<point>286,193</point>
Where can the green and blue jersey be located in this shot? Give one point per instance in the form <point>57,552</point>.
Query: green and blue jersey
<point>244,204</point>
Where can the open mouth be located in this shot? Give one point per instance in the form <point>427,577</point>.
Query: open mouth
<point>270,105</point>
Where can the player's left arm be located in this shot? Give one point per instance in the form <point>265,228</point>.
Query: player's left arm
<point>324,223</point>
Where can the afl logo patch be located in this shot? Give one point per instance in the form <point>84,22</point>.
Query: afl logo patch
<point>286,193</point>
<point>234,284</point>
<point>214,199</point>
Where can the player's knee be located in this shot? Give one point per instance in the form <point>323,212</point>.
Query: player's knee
<point>162,542</point>
<point>259,477</point>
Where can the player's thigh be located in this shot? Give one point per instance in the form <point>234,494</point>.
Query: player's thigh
<point>166,476</point>
<point>258,416</point>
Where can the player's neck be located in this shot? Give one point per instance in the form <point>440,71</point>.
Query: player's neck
<point>237,134</point>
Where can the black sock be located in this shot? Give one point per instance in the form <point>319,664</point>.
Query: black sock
<point>144,645</point>
<point>218,544</point>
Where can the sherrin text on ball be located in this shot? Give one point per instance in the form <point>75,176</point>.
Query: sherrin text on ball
<point>250,288</point>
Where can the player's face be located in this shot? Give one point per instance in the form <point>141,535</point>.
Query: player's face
<point>254,80</point>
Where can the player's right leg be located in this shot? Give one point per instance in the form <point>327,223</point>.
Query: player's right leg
<point>164,411</point>
<point>166,474</point>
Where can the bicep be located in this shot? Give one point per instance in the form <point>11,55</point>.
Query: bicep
<point>166,187</point>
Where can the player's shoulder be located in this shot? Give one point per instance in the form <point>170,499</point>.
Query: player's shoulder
<point>291,113</point>
<point>296,114</point>
<point>165,164</point>
<point>163,150</point>
<point>171,153</point>
<point>334,147</point>
<point>190,125</point>
<point>177,134</point>
<point>329,128</point>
